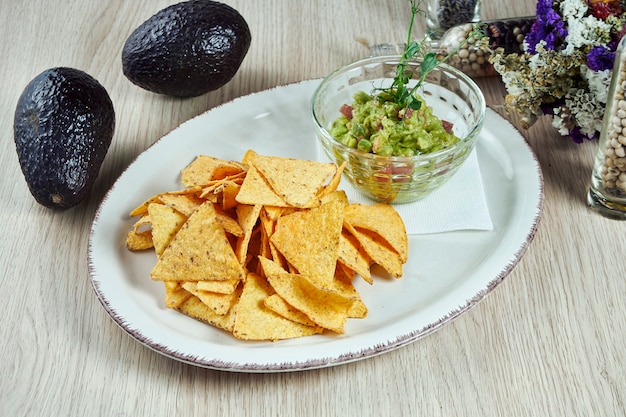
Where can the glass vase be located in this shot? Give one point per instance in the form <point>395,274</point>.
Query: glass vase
<point>472,57</point>
<point>444,14</point>
<point>607,191</point>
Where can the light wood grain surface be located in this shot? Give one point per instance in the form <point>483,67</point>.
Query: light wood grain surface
<point>549,341</point>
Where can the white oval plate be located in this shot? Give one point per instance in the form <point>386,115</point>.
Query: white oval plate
<point>446,274</point>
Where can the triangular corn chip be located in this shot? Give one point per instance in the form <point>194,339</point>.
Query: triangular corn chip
<point>137,241</point>
<point>219,303</point>
<point>333,184</point>
<point>355,259</point>
<point>309,240</point>
<point>299,188</point>
<point>279,306</point>
<point>143,207</point>
<point>229,224</point>
<point>204,168</point>
<point>221,287</point>
<point>199,251</point>
<point>343,285</point>
<point>379,252</point>
<point>183,203</point>
<point>247,216</point>
<point>326,308</point>
<point>195,308</point>
<point>175,294</point>
<point>166,222</point>
<point>229,191</point>
<point>384,220</point>
<point>255,190</point>
<point>256,322</point>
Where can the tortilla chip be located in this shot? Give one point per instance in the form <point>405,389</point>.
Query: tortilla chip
<point>309,240</point>
<point>229,224</point>
<point>166,222</point>
<point>333,184</point>
<point>215,189</point>
<point>336,196</point>
<point>229,190</point>
<point>256,322</point>
<point>143,207</point>
<point>378,251</point>
<point>204,168</point>
<point>255,246</point>
<point>296,181</point>
<point>344,271</point>
<point>199,251</point>
<point>279,306</point>
<point>326,308</point>
<point>175,294</point>
<point>383,220</point>
<point>350,255</point>
<point>219,303</point>
<point>274,213</point>
<point>344,286</point>
<point>196,309</point>
<point>248,157</point>
<point>255,190</point>
<point>267,223</point>
<point>247,216</point>
<point>137,241</point>
<point>143,224</point>
<point>183,203</point>
<point>227,286</point>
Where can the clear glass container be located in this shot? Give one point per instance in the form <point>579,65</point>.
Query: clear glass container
<point>444,14</point>
<point>607,192</point>
<point>472,57</point>
<point>452,95</point>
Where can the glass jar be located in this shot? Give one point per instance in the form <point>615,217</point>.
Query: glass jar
<point>472,57</point>
<point>441,15</point>
<point>607,192</point>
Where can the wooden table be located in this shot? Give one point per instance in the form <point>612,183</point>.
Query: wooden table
<point>549,341</point>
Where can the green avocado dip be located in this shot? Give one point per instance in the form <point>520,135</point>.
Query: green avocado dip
<point>376,124</point>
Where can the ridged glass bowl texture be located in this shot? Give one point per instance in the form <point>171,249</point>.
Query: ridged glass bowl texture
<point>393,179</point>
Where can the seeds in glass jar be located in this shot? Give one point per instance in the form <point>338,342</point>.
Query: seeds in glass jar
<point>454,12</point>
<point>613,167</point>
<point>508,34</point>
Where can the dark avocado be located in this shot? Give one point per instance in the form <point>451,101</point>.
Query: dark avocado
<point>63,126</point>
<point>187,49</point>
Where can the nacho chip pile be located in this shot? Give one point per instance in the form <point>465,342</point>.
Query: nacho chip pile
<point>266,248</point>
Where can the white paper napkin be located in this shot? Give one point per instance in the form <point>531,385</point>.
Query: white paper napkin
<point>459,204</point>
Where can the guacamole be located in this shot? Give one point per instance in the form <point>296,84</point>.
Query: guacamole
<point>378,125</point>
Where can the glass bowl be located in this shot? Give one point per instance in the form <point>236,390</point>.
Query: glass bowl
<point>453,96</point>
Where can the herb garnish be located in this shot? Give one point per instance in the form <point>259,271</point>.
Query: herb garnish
<point>399,92</point>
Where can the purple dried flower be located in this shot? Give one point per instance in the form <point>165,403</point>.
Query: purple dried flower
<point>566,68</point>
<point>549,27</point>
<point>579,137</point>
<point>600,58</point>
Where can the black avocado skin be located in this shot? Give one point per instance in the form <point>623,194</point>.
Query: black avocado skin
<point>187,49</point>
<point>63,127</point>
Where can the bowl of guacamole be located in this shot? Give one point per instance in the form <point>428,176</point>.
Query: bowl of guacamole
<point>397,154</point>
